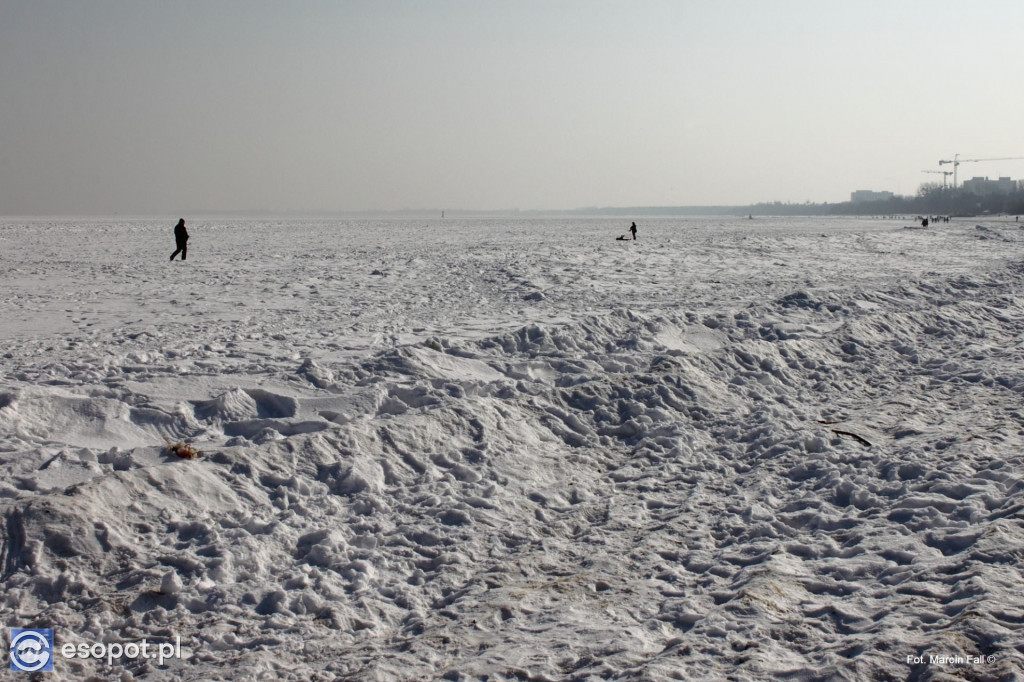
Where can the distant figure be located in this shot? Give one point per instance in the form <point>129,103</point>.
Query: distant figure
<point>632,228</point>
<point>180,240</point>
<point>924,223</point>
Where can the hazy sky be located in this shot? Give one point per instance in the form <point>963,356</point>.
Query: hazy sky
<point>161,106</point>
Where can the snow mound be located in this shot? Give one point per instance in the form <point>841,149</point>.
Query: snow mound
<point>816,484</point>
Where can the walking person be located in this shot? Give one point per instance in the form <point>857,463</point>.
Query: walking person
<point>632,228</point>
<point>180,240</point>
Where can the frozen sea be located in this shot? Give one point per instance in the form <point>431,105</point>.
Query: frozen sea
<point>516,449</point>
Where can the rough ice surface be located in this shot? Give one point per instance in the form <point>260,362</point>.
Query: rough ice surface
<point>517,449</point>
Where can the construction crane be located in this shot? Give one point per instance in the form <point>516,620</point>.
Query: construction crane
<point>945,174</point>
<point>957,161</point>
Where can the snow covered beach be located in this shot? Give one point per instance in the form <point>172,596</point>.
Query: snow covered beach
<point>517,449</point>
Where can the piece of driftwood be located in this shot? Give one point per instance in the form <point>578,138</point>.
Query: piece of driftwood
<point>853,435</point>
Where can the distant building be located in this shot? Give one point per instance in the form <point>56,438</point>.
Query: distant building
<point>864,196</point>
<point>985,187</point>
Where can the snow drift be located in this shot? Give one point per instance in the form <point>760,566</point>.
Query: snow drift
<point>820,478</point>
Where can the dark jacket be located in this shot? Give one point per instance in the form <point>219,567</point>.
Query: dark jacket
<point>180,233</point>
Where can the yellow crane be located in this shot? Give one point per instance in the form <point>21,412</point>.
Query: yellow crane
<point>956,161</point>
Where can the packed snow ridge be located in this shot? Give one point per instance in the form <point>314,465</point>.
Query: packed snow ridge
<point>518,450</point>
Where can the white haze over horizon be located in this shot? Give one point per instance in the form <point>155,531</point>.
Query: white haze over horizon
<point>152,107</point>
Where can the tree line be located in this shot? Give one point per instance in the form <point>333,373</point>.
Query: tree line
<point>931,199</point>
